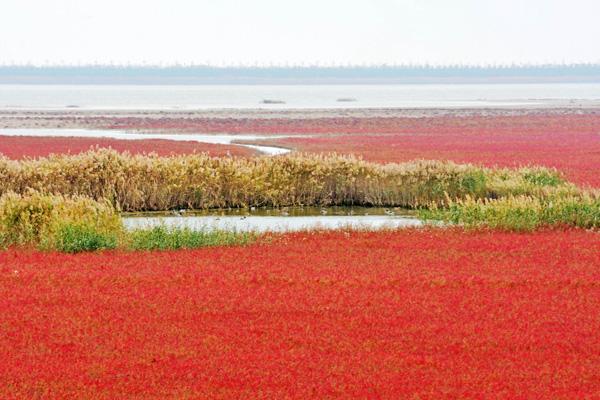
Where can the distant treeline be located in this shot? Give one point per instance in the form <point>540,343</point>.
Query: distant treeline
<point>104,74</point>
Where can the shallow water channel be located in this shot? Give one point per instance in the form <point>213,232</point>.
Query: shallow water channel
<point>278,220</point>
<point>222,138</point>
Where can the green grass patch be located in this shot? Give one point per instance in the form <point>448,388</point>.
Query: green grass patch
<point>163,238</point>
<point>72,238</point>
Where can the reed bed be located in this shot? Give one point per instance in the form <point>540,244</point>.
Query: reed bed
<point>153,183</point>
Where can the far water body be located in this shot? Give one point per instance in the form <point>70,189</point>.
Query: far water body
<point>278,220</point>
<point>277,97</point>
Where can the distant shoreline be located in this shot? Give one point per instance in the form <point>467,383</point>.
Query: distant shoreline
<point>382,75</point>
<point>105,119</point>
<point>286,82</point>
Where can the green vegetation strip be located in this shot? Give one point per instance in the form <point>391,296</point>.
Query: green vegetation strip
<point>520,213</point>
<point>163,238</point>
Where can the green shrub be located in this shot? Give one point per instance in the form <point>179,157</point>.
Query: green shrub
<point>543,177</point>
<point>474,183</point>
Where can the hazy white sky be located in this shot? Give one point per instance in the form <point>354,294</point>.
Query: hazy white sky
<point>299,31</point>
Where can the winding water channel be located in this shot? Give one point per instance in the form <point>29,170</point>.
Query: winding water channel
<point>223,138</point>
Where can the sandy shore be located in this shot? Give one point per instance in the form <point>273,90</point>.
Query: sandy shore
<point>104,118</point>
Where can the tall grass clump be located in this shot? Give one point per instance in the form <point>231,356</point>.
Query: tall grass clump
<point>153,183</point>
<point>69,224</point>
<point>521,213</point>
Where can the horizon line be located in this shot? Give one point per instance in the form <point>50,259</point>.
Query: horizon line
<point>304,66</point>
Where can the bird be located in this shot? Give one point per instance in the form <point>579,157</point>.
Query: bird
<point>323,211</point>
<point>389,212</point>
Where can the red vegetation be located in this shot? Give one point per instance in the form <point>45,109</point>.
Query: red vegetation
<point>474,123</point>
<point>409,314</point>
<point>569,141</point>
<point>17,147</point>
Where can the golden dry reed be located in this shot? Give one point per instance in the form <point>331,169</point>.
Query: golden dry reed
<point>150,182</point>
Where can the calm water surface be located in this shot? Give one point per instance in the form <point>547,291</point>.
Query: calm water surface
<point>279,220</point>
<point>147,97</point>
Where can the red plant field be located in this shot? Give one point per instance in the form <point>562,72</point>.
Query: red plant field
<point>409,314</point>
<point>19,147</point>
<point>474,122</point>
